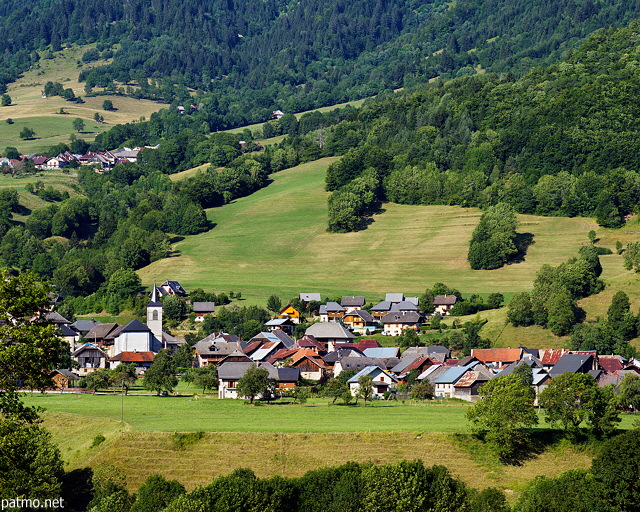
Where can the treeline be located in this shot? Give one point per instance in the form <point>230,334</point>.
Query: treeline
<point>294,57</point>
<point>562,140</point>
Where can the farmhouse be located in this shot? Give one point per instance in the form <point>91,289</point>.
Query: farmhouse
<point>202,309</point>
<point>230,373</point>
<point>444,304</point>
<point>291,313</point>
<point>90,357</point>
<point>396,322</point>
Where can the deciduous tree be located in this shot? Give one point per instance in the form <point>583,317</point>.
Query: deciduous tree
<point>161,376</point>
<point>254,382</point>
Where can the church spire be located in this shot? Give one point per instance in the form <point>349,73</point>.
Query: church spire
<point>155,297</point>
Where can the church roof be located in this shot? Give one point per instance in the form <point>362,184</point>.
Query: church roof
<point>155,297</point>
<point>135,326</point>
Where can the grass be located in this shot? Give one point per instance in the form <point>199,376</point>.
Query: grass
<point>286,440</point>
<point>28,108</point>
<point>275,241</point>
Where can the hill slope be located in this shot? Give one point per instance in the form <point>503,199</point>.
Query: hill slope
<point>274,241</point>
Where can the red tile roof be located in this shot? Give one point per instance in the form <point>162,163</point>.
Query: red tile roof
<point>251,347</point>
<point>611,363</point>
<point>281,354</point>
<point>364,344</point>
<point>134,357</point>
<point>552,355</point>
<point>491,355</point>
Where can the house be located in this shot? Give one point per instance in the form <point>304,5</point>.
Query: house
<point>394,298</point>
<point>550,357</point>
<point>467,386</point>
<point>84,326</point>
<point>445,383</point>
<point>358,363</point>
<point>382,352</point>
<point>311,342</point>
<point>331,312</point>
<point>443,304</point>
<point>309,363</point>
<point>63,379</point>
<point>291,313</point>
<point>432,351</point>
<point>360,321</point>
<point>382,381</point>
<point>329,333</point>
<point>394,323</point>
<point>381,309</point>
<point>611,363</point>
<point>352,303</point>
<point>230,373</point>
<point>102,334</point>
<point>283,324</point>
<point>90,357</point>
<point>497,356</point>
<point>172,288</point>
<point>202,309</point>
<point>69,335</point>
<point>404,306</point>
<point>56,318</point>
<point>277,114</point>
<point>141,360</point>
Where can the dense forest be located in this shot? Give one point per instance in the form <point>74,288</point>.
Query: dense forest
<point>250,59</point>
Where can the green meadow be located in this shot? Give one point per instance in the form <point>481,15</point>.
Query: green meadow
<point>275,241</point>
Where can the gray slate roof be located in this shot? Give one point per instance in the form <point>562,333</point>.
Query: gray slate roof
<point>394,297</point>
<point>135,326</point>
<point>308,297</point>
<point>334,307</point>
<point>203,307</point>
<point>385,305</point>
<point>401,317</point>
<point>382,352</point>
<point>286,340</point>
<point>235,371</point>
<point>372,371</point>
<point>329,330</point>
<point>353,301</point>
<point>572,363</point>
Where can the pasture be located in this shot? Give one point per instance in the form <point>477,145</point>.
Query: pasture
<point>28,108</point>
<point>275,241</point>
<point>280,438</point>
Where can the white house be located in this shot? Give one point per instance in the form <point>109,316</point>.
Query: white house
<point>381,379</point>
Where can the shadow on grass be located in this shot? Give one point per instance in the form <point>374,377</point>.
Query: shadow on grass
<point>522,242</point>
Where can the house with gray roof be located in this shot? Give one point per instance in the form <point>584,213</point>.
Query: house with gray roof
<point>310,297</point>
<point>84,326</point>
<point>573,363</point>
<point>358,363</point>
<point>445,383</point>
<point>230,373</point>
<point>329,333</point>
<point>382,352</point>
<point>381,309</point>
<point>331,312</point>
<point>444,303</point>
<point>352,303</point>
<point>382,381</point>
<point>394,323</point>
<point>202,309</point>
<point>394,297</point>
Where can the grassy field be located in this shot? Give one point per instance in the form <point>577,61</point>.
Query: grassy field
<point>28,108</point>
<point>275,241</point>
<point>280,439</point>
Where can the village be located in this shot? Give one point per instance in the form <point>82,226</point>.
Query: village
<point>328,347</point>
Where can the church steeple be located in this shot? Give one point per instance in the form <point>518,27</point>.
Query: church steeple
<point>154,314</point>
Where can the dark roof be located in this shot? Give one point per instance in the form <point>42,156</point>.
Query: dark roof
<point>287,340</point>
<point>385,305</point>
<point>365,315</point>
<point>444,300</point>
<point>67,373</point>
<point>154,301</point>
<point>102,331</point>
<point>394,297</point>
<point>175,287</point>
<point>329,330</point>
<point>235,371</point>
<point>352,301</point>
<point>334,307</point>
<point>401,317</point>
<point>56,318</point>
<point>308,297</point>
<point>288,374</point>
<point>84,325</point>
<point>135,326</point>
<point>572,363</point>
<point>65,330</point>
<point>405,305</point>
<point>88,346</point>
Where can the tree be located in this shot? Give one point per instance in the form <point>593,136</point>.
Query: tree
<point>424,390</point>
<point>11,152</point>
<point>493,239</point>
<point>174,307</point>
<point>274,304</point>
<point>161,376</point>
<point>98,118</point>
<point>183,357</point>
<point>503,414</point>
<point>630,391</point>
<point>410,338</point>
<point>156,493</point>
<point>254,382</point>
<point>27,133</point>
<point>107,105</point>
<point>98,379</point>
<point>123,375</point>
<point>571,398</point>
<point>560,312</point>
<point>592,236</point>
<point>206,377</point>
<point>6,100</point>
<point>365,388</point>
<point>619,316</point>
<point>78,124</point>
<point>333,388</point>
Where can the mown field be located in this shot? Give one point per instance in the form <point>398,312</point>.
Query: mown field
<point>280,439</point>
<point>29,109</point>
<point>275,241</point>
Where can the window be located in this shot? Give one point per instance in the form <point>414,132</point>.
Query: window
<point>154,315</point>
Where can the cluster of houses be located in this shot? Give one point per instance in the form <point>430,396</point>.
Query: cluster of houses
<point>326,349</point>
<point>102,160</point>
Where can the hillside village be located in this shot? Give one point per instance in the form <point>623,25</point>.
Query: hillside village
<point>327,348</point>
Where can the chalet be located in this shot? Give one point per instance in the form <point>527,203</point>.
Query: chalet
<point>394,323</point>
<point>63,379</point>
<point>310,364</point>
<point>90,357</point>
<point>141,360</point>
<point>443,304</point>
<point>128,154</point>
<point>498,357</point>
<point>56,318</point>
<point>237,356</point>
<point>467,386</point>
<point>282,324</point>
<point>394,298</point>
<point>214,348</point>
<point>103,335</point>
<point>381,309</point>
<point>291,313</point>
<point>331,312</point>
<point>382,381</point>
<point>202,309</point>
<point>352,303</point>
<point>82,327</point>
<point>329,333</point>
<point>404,306</point>
<point>360,321</point>
<point>445,383</point>
<point>358,363</point>
<point>312,343</point>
